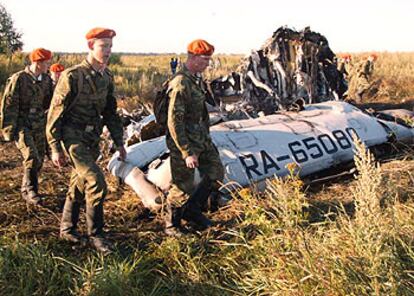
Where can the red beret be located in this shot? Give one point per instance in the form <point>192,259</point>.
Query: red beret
<point>40,54</point>
<point>374,55</point>
<point>97,33</point>
<point>57,67</point>
<point>200,47</point>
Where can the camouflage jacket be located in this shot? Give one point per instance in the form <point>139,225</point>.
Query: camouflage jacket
<point>80,114</point>
<point>344,67</point>
<point>188,120</point>
<point>26,99</point>
<point>366,69</point>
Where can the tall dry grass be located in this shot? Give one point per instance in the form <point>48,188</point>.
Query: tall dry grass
<point>138,77</point>
<point>268,246</point>
<point>394,73</point>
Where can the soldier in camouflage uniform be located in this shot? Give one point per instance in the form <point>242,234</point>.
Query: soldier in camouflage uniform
<point>55,71</point>
<point>26,98</point>
<point>364,75</point>
<point>189,142</point>
<point>344,64</point>
<point>82,104</point>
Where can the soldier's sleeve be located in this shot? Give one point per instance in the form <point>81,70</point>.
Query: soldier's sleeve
<point>10,109</point>
<point>48,93</point>
<point>371,68</point>
<point>206,118</point>
<point>210,100</point>
<point>111,118</point>
<point>62,97</point>
<point>367,68</point>
<point>176,112</point>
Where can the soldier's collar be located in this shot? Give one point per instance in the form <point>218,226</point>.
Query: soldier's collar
<point>197,76</point>
<point>32,75</point>
<point>92,69</point>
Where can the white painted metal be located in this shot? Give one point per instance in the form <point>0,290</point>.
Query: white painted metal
<point>318,138</point>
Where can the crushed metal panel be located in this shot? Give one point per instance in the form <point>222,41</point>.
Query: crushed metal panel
<point>242,139</point>
<point>141,154</point>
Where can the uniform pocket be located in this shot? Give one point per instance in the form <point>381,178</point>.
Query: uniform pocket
<point>86,88</point>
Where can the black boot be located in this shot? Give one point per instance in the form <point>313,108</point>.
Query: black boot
<point>95,223</point>
<point>213,201</point>
<point>192,209</point>
<point>29,187</point>
<point>212,204</point>
<point>34,181</point>
<point>68,224</point>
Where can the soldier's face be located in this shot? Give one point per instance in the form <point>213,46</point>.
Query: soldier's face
<point>55,76</point>
<point>101,50</point>
<point>43,66</point>
<point>201,62</point>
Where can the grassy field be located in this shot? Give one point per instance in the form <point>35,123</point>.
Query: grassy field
<point>351,236</point>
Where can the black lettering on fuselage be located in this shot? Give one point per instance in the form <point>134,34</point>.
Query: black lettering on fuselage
<point>268,162</point>
<point>252,167</point>
<point>300,151</point>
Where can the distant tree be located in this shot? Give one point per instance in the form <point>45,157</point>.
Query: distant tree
<point>10,39</point>
<point>115,59</point>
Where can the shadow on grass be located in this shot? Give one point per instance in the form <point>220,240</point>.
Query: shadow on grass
<point>54,268</point>
<point>408,104</point>
<point>320,211</point>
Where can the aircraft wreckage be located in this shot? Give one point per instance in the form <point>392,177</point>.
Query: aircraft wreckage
<point>266,135</point>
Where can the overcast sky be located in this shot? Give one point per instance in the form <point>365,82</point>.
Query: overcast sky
<point>232,26</point>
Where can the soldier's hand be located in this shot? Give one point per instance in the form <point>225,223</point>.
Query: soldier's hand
<point>122,153</point>
<point>192,161</point>
<point>58,159</point>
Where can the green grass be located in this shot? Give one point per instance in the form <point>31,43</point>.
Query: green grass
<point>267,246</point>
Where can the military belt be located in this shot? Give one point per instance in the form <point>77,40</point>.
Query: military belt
<point>34,110</point>
<point>195,126</point>
<point>82,126</point>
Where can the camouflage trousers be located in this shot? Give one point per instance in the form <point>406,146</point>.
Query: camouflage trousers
<point>87,179</point>
<point>183,177</point>
<point>363,86</point>
<point>32,146</point>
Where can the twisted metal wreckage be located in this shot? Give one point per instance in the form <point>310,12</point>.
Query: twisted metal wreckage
<point>293,70</point>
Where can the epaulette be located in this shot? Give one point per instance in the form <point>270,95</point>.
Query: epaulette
<point>179,82</point>
<point>179,78</point>
<point>72,69</point>
<point>109,72</point>
<point>16,76</point>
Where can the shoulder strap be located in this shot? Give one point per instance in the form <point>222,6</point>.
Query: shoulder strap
<point>23,82</point>
<point>12,81</point>
<point>205,87</point>
<point>167,82</point>
<point>91,83</point>
<point>80,86</point>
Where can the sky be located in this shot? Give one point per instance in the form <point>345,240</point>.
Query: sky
<point>238,27</point>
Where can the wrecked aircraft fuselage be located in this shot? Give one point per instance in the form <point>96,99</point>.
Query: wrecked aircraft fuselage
<point>316,139</point>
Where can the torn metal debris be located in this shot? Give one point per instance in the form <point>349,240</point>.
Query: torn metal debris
<point>291,69</point>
